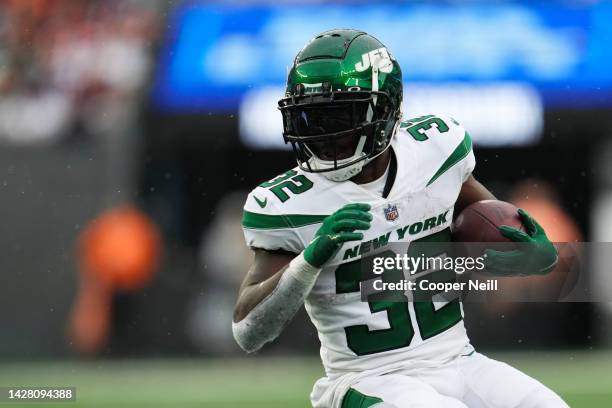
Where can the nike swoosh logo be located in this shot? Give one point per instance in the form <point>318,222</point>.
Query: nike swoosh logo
<point>262,203</point>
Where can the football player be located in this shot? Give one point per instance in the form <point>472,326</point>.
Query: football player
<point>365,179</point>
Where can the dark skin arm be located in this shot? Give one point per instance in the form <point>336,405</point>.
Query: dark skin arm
<point>269,266</point>
<point>471,192</point>
<point>260,280</point>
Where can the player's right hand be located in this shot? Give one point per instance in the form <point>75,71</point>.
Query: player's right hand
<point>337,229</point>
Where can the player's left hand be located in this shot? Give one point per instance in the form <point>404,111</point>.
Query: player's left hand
<point>536,255</point>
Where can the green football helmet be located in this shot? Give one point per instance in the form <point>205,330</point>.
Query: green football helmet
<point>342,103</point>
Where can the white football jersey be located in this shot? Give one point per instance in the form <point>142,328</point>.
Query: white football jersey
<point>434,157</point>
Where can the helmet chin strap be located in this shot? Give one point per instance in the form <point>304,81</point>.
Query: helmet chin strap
<point>351,171</point>
<point>374,89</point>
<point>344,173</point>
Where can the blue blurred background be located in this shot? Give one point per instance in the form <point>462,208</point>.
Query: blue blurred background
<point>214,55</point>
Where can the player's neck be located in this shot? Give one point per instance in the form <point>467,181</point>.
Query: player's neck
<point>373,170</point>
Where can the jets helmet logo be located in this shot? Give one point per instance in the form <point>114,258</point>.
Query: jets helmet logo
<point>379,56</point>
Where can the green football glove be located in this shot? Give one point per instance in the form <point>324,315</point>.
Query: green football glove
<point>337,229</point>
<point>536,254</point>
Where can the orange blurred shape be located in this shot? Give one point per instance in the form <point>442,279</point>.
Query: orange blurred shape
<point>121,247</point>
<point>540,200</point>
<point>559,226</point>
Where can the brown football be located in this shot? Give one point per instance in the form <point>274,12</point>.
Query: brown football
<point>480,221</point>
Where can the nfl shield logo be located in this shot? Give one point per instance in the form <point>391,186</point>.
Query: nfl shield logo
<point>391,213</point>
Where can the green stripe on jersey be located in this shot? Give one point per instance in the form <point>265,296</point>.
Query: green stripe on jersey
<point>355,399</point>
<point>263,221</point>
<point>455,157</point>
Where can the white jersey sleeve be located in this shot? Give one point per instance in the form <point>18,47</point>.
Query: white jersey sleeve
<point>455,147</point>
<point>441,147</point>
<point>265,227</point>
<point>285,212</point>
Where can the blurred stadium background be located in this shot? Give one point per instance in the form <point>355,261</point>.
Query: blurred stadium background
<point>131,131</point>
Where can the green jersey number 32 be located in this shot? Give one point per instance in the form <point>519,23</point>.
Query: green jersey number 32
<point>430,321</point>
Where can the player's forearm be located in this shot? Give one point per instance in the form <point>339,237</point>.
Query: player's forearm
<point>252,294</point>
<point>471,191</point>
<point>279,302</point>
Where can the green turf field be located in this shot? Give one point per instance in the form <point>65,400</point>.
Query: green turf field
<point>583,379</point>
